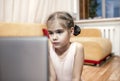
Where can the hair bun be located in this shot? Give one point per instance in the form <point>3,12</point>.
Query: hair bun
<point>77,30</point>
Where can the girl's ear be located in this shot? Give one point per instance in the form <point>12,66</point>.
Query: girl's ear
<point>72,30</point>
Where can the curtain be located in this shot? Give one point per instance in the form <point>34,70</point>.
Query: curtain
<point>33,11</point>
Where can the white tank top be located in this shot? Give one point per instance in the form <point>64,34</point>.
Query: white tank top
<point>64,67</point>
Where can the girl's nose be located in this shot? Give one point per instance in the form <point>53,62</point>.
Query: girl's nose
<point>54,37</point>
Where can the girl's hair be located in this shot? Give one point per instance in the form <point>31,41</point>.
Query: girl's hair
<point>65,20</point>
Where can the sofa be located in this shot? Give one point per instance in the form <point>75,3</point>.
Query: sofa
<point>21,29</point>
<point>96,48</point>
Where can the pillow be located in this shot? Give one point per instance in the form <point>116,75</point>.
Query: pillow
<point>45,32</point>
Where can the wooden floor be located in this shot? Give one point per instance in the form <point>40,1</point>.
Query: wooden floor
<point>110,71</point>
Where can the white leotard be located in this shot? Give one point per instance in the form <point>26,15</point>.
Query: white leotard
<point>64,67</point>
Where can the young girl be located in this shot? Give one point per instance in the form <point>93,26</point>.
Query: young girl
<point>66,58</point>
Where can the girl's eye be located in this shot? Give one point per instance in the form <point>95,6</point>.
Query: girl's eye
<point>50,32</point>
<point>59,31</point>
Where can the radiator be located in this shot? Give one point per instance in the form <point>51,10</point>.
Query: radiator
<point>113,34</point>
<point>109,33</point>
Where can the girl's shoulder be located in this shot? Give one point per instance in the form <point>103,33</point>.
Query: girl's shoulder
<point>79,49</point>
<point>77,44</point>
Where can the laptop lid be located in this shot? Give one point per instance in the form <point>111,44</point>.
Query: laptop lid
<point>23,59</point>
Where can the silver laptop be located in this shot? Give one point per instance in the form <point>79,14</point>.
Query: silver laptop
<point>23,59</point>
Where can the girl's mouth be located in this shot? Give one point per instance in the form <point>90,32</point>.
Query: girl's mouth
<point>55,43</point>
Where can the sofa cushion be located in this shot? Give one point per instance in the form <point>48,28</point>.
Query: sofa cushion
<point>95,48</point>
<point>90,32</point>
<point>21,29</point>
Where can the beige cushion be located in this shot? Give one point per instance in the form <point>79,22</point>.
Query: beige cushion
<point>90,32</point>
<point>21,29</point>
<point>94,48</point>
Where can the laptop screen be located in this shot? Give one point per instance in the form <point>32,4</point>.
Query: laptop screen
<point>23,59</point>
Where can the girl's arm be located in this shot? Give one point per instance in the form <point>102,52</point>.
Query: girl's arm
<point>52,75</point>
<point>78,63</point>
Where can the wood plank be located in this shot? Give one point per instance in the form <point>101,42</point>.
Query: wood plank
<point>107,72</point>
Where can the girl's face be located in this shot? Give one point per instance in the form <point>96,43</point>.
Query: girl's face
<point>59,36</point>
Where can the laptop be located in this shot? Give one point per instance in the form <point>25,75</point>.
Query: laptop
<point>23,59</point>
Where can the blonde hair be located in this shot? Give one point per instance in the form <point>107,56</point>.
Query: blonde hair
<point>64,19</point>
